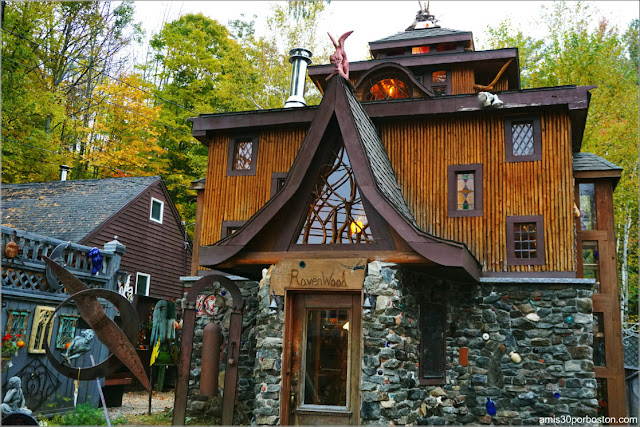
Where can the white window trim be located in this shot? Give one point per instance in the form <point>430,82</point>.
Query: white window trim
<point>148,276</point>
<point>161,210</point>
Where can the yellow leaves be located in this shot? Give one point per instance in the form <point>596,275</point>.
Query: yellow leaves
<point>124,135</point>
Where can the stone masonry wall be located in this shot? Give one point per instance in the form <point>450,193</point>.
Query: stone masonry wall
<point>197,405</point>
<point>549,326</point>
<point>268,358</point>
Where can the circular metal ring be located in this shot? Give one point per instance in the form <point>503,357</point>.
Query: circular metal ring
<point>130,326</point>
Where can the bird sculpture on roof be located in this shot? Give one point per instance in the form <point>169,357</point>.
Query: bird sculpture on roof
<point>339,57</point>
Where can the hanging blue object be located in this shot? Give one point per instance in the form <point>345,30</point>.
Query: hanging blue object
<point>96,260</point>
<point>491,407</point>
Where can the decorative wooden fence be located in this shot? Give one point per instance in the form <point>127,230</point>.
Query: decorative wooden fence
<point>28,300</point>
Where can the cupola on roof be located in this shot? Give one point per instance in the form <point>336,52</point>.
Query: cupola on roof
<point>424,35</point>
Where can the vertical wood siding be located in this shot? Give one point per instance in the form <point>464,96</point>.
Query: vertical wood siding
<point>420,152</point>
<point>462,79</point>
<point>236,198</point>
<point>151,248</point>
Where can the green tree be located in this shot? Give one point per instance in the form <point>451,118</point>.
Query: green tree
<point>198,68</point>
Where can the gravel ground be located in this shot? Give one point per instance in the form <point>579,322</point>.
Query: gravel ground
<point>137,402</point>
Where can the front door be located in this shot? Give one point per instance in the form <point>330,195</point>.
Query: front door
<point>323,352</point>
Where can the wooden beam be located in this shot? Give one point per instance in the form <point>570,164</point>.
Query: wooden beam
<point>269,258</point>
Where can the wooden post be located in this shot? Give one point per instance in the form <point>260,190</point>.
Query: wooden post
<point>104,404</point>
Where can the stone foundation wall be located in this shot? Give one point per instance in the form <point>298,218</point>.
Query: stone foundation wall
<point>549,326</point>
<point>268,359</point>
<point>197,405</point>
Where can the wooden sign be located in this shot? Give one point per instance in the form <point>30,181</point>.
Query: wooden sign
<point>318,274</point>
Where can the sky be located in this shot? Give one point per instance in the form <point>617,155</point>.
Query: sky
<point>373,20</point>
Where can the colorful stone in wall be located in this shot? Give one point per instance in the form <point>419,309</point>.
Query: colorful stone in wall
<point>491,407</point>
<point>515,357</point>
<point>569,319</point>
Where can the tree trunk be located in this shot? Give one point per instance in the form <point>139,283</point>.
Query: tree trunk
<point>624,273</point>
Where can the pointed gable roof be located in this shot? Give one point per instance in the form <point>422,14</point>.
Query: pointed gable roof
<point>375,178</point>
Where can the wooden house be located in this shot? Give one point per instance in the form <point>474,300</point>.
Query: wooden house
<point>138,210</point>
<point>440,243</point>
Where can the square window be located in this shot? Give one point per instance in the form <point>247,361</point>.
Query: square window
<point>277,182</point>
<point>525,240</point>
<point>242,156</point>
<point>523,139</point>
<point>464,184</point>
<point>230,227</point>
<point>143,281</point>
<point>156,211</point>
<point>433,342</point>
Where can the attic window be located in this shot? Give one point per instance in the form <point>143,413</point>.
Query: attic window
<point>336,213</point>
<point>389,88</point>
<point>420,49</point>
<point>156,211</point>
<point>243,153</point>
<point>442,47</point>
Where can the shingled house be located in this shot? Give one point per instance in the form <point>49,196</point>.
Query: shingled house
<point>138,210</point>
<point>440,244</point>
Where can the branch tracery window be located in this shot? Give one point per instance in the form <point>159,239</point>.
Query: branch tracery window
<point>389,88</point>
<point>336,213</point>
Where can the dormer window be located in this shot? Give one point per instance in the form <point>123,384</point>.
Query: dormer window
<point>391,88</point>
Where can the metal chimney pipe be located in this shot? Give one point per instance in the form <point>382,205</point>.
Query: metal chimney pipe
<point>300,58</point>
<point>64,172</point>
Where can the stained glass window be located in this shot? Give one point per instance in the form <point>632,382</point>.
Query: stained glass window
<point>522,137</point>
<point>242,155</point>
<point>525,240</point>
<point>66,330</point>
<point>336,213</point>
<point>387,89</point>
<point>466,190</point>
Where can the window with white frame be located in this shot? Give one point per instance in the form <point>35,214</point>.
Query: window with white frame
<point>143,281</point>
<point>157,209</point>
